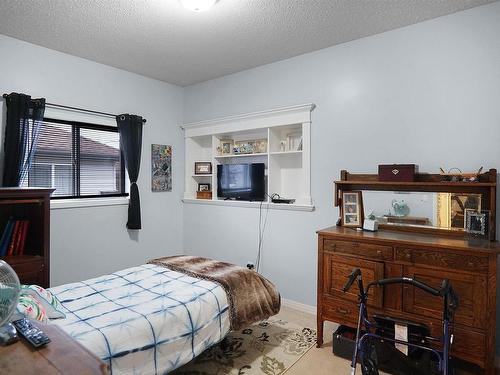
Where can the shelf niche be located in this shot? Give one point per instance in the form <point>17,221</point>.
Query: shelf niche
<point>287,154</point>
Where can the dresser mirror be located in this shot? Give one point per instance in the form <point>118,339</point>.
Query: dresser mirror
<point>429,204</point>
<point>443,210</point>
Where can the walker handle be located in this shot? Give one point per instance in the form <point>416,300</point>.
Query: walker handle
<point>408,280</point>
<point>351,278</point>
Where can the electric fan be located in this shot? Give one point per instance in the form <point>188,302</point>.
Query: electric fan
<point>9,296</point>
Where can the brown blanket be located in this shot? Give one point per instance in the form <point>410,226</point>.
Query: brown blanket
<point>251,297</point>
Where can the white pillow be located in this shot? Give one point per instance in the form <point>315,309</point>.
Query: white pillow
<point>49,302</point>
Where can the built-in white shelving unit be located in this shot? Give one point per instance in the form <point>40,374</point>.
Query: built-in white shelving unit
<point>286,136</point>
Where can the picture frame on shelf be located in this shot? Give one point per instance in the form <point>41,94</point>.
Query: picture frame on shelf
<point>255,146</point>
<point>226,146</point>
<point>204,187</point>
<point>202,167</point>
<point>352,209</point>
<point>477,223</point>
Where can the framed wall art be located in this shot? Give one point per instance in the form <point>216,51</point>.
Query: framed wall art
<point>161,168</point>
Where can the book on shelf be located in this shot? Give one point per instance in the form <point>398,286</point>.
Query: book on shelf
<point>7,232</point>
<point>13,239</point>
<point>22,242</point>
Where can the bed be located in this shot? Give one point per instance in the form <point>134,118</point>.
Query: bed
<point>148,319</point>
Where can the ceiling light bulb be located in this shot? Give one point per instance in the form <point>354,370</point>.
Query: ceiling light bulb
<point>198,5</point>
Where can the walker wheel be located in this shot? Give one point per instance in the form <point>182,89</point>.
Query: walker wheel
<point>368,367</point>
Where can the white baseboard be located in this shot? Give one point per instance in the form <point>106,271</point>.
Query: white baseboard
<point>308,309</point>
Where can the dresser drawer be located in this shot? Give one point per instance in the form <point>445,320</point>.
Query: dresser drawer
<point>471,290</point>
<point>469,345</point>
<point>336,270</point>
<point>448,260</point>
<point>340,311</point>
<point>358,249</point>
<point>30,270</point>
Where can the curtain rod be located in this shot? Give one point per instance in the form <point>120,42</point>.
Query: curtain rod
<point>77,109</point>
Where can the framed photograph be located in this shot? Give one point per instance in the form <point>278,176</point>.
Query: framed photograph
<point>477,223</point>
<point>352,209</point>
<point>451,208</point>
<point>202,167</point>
<point>203,187</point>
<point>226,146</point>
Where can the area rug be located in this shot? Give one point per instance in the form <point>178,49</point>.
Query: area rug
<point>268,348</point>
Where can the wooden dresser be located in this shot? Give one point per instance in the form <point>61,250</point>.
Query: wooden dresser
<point>422,253</point>
<point>470,267</point>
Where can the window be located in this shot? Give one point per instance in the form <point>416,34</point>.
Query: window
<point>78,160</point>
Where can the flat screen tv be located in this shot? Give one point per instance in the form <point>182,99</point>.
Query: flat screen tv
<point>241,181</point>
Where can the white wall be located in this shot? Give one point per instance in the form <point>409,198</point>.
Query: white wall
<point>427,94</point>
<point>87,242</point>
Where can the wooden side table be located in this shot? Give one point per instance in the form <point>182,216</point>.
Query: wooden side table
<point>63,355</point>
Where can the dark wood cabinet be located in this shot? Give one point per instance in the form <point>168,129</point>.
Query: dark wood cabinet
<point>33,205</point>
<point>64,355</point>
<point>471,267</point>
<point>337,268</point>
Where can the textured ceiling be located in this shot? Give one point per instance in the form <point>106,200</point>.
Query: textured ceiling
<point>162,40</point>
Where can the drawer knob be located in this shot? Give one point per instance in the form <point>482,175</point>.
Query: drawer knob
<point>470,264</point>
<point>342,311</point>
<point>379,252</point>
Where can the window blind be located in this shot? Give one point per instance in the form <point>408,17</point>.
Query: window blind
<point>78,160</point>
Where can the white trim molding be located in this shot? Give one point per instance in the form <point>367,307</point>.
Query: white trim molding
<point>248,204</point>
<point>297,114</point>
<point>308,309</point>
<point>57,204</point>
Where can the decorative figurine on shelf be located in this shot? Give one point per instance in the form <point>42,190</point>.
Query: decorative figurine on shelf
<point>456,175</point>
<point>283,146</point>
<point>371,223</point>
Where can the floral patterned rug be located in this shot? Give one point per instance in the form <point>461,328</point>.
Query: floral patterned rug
<point>270,347</point>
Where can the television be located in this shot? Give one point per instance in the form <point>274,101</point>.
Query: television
<point>241,181</point>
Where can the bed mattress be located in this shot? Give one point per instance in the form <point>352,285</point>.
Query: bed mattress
<point>145,319</point>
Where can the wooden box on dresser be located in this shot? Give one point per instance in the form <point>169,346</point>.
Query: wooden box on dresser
<point>32,205</point>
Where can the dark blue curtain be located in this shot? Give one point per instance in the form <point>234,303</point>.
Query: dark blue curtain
<point>24,116</point>
<point>130,129</point>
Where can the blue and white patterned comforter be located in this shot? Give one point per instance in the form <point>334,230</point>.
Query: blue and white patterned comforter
<point>146,319</point>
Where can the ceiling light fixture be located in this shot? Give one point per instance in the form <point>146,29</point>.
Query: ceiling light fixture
<point>198,5</point>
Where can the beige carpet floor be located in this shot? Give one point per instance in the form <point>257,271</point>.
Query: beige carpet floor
<point>267,348</point>
<point>319,361</point>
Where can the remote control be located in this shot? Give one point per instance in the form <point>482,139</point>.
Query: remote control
<point>31,333</point>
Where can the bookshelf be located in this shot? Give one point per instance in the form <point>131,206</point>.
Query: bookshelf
<point>279,138</point>
<point>30,205</point>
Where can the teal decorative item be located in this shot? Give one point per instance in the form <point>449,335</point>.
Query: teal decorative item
<point>400,208</point>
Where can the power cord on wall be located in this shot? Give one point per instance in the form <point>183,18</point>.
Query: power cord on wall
<point>262,229</point>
